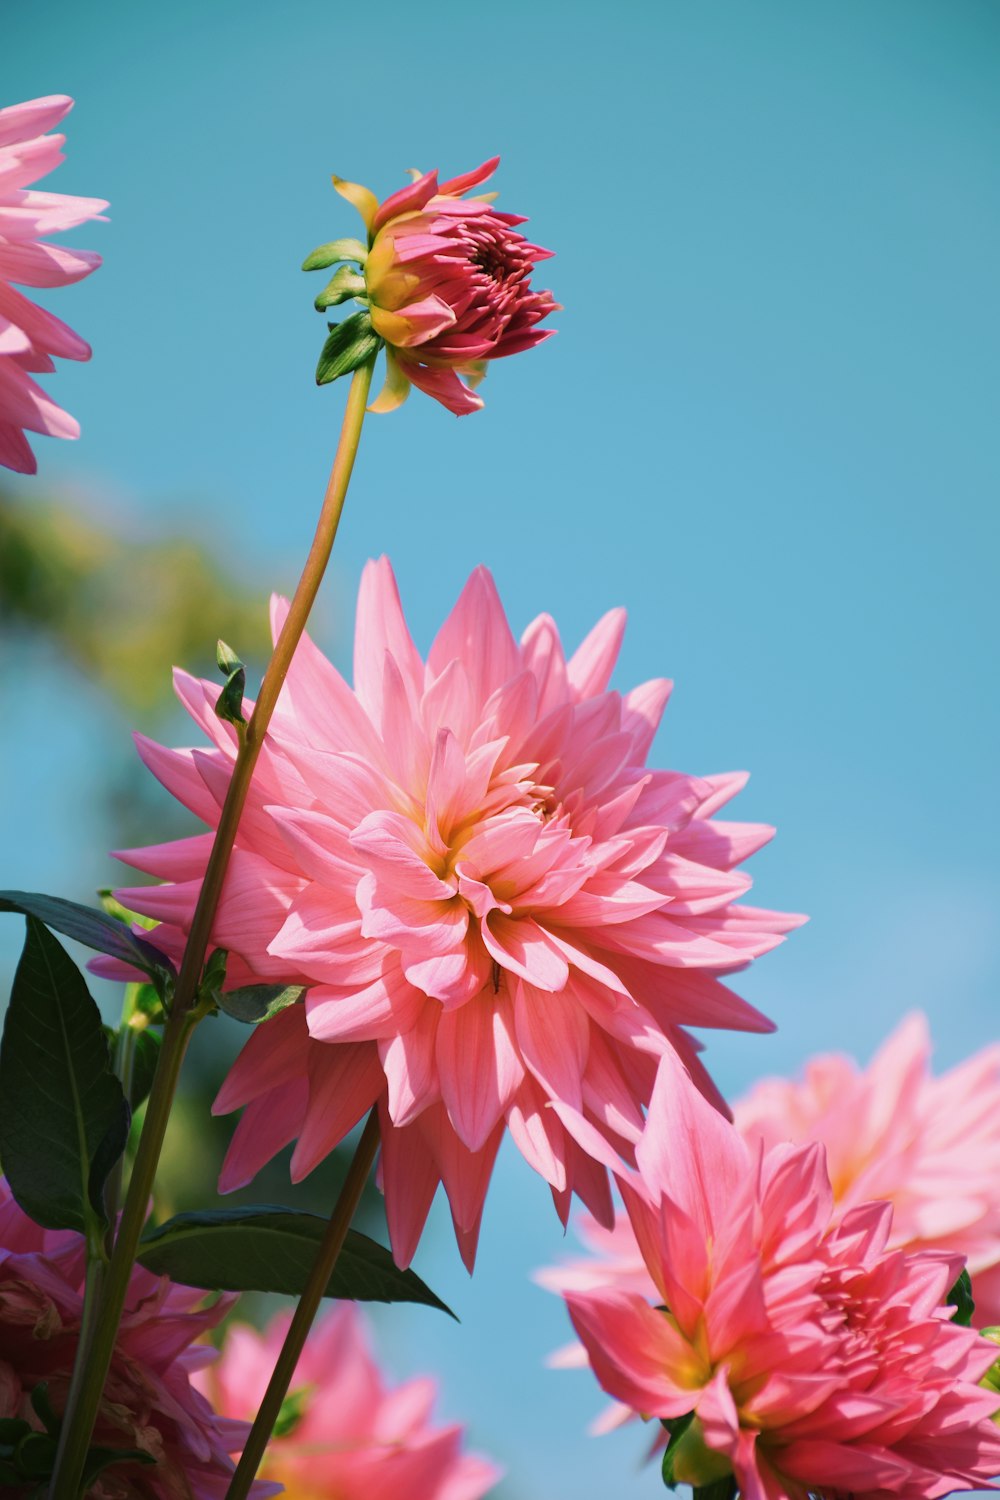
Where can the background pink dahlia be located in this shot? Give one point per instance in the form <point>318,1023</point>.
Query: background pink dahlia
<point>30,336</point>
<point>929,1146</point>
<point>503,916</point>
<point>812,1358</point>
<point>348,1434</point>
<point>150,1402</point>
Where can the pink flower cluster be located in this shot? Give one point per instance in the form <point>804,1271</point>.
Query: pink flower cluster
<point>29,336</point>
<point>349,1436</point>
<point>805,1355</point>
<point>503,916</point>
<point>449,283</point>
<point>150,1403</point>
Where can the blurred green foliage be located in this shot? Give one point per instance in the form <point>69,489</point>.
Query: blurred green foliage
<point>121,609</point>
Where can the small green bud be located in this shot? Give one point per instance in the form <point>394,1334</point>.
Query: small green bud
<point>229,704</point>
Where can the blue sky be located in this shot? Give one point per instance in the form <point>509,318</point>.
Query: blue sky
<point>767,426</point>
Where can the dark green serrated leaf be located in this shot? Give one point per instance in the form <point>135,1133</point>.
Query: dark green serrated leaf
<point>960,1297</point>
<point>259,1002</point>
<point>92,928</point>
<point>343,284</point>
<point>12,1430</point>
<point>144,1059</point>
<point>272,1249</point>
<point>349,345</point>
<point>60,1104</point>
<point>329,254</point>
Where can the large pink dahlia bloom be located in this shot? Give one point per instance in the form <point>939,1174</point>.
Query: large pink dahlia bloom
<point>29,336</point>
<point>348,1435</point>
<point>815,1360</point>
<point>930,1146</point>
<point>495,904</point>
<point>448,280</point>
<point>150,1403</point>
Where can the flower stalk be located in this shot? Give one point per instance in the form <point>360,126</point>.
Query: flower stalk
<point>308,1305</point>
<point>187,1008</point>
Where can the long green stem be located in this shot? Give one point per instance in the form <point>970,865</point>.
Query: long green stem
<point>302,1320</point>
<point>79,1419</point>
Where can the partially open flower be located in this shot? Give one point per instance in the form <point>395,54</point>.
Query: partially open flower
<point>29,336</point>
<point>446,282</point>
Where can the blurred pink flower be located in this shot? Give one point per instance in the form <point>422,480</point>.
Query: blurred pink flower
<point>496,906</point>
<point>448,283</point>
<point>349,1435</point>
<point>29,336</point>
<point>930,1146</point>
<point>149,1403</point>
<point>814,1359</point>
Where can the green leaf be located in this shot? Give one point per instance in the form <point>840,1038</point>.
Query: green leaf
<point>146,1051</point>
<point>343,284</point>
<point>62,1110</point>
<point>92,928</point>
<point>960,1297</point>
<point>676,1427</point>
<point>350,344</point>
<point>328,255</point>
<point>272,1249</point>
<point>259,1002</point>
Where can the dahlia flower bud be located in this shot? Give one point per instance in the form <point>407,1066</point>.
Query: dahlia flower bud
<point>444,284</point>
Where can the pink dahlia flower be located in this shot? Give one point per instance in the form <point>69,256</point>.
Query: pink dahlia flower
<point>348,1435</point>
<point>448,280</point>
<point>29,336</point>
<point>495,905</point>
<point>930,1146</point>
<point>150,1403</point>
<point>810,1358</point>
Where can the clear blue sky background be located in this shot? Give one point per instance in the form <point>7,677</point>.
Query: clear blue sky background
<point>767,426</point>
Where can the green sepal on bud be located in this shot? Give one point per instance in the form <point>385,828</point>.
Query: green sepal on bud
<point>343,284</point>
<point>350,344</point>
<point>960,1297</point>
<point>229,704</point>
<point>991,1380</point>
<point>330,254</point>
<point>688,1460</point>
